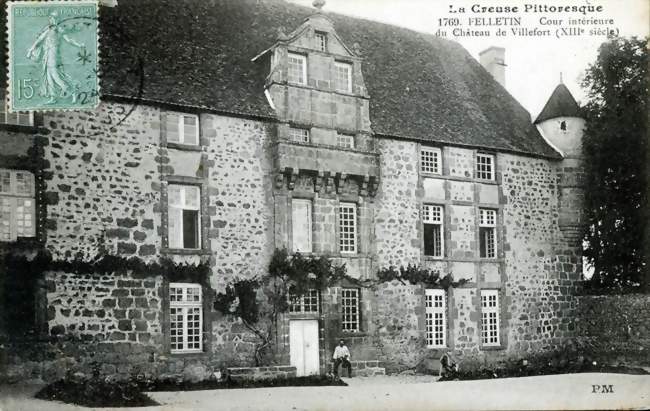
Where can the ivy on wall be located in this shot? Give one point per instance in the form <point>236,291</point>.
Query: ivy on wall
<point>135,267</point>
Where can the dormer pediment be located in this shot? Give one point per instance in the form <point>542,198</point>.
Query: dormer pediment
<point>317,33</point>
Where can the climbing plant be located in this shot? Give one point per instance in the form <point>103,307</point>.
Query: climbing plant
<point>258,302</point>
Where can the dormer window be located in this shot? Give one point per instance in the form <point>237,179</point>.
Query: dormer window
<point>297,68</point>
<point>321,41</point>
<point>343,77</point>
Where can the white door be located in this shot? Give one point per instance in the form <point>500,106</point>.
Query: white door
<point>303,346</point>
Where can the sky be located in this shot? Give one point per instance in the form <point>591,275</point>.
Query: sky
<point>533,64</point>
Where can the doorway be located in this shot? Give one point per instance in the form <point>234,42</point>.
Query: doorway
<point>303,346</point>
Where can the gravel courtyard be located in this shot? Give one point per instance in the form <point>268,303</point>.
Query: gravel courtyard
<point>407,393</point>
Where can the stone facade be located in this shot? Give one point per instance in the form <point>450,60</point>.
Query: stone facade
<point>105,186</point>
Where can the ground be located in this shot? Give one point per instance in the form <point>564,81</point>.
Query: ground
<point>395,393</point>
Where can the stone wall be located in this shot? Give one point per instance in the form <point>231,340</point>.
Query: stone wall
<point>615,328</point>
<point>102,183</point>
<point>105,308</point>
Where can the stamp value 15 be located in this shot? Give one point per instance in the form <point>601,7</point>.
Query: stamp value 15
<point>53,55</point>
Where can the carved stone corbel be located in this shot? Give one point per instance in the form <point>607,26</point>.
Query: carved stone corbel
<point>320,181</point>
<point>363,188</point>
<point>279,180</point>
<point>292,177</point>
<point>340,182</point>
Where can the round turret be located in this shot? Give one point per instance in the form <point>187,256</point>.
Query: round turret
<point>561,123</point>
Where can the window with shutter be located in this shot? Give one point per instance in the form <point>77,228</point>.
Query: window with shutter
<point>301,225</point>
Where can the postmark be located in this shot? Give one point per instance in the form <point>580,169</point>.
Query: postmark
<point>53,55</point>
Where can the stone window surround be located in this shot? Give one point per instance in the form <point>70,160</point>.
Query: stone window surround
<point>493,156</point>
<point>207,323</point>
<point>503,327</point>
<point>310,199</point>
<point>338,64</point>
<point>321,38</point>
<point>204,217</point>
<point>444,170</point>
<point>498,221</point>
<point>446,317</point>
<point>355,226</point>
<point>179,146</point>
<point>339,131</point>
<point>446,234</point>
<point>354,61</point>
<point>359,310</point>
<point>433,150</point>
<point>446,220</point>
<point>15,195</point>
<point>31,163</point>
<point>305,69</point>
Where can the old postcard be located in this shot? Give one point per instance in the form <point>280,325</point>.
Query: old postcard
<point>325,205</point>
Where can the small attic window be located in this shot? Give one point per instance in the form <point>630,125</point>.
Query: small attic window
<point>321,41</point>
<point>563,125</point>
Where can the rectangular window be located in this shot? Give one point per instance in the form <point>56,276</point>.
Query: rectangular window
<point>345,140</point>
<point>435,310</point>
<point>185,317</point>
<point>487,232</point>
<point>343,76</point>
<point>297,68</point>
<point>348,228</point>
<point>490,317</point>
<point>17,205</point>
<point>430,160</point>
<point>301,225</point>
<point>21,118</point>
<point>182,128</point>
<point>184,216</point>
<point>299,135</point>
<point>321,41</point>
<point>485,166</point>
<point>432,221</point>
<point>350,309</point>
<point>306,303</point>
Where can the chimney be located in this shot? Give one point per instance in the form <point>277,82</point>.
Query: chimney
<point>493,59</point>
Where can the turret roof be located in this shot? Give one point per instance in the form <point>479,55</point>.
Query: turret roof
<point>560,104</point>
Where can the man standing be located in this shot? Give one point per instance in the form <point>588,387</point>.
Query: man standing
<point>342,355</point>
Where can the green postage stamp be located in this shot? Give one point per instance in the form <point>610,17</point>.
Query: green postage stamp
<point>53,59</point>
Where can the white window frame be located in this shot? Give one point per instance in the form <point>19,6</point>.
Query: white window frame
<point>485,165</point>
<point>303,304</point>
<point>299,135</point>
<point>180,123</point>
<point>348,238</point>
<point>345,140</point>
<point>348,81</point>
<point>490,318</point>
<point>303,60</point>
<point>294,226</point>
<point>350,309</point>
<point>185,304</point>
<point>434,214</point>
<point>488,219</point>
<point>5,116</point>
<point>435,311</point>
<point>18,206</point>
<point>321,40</point>
<point>173,244</point>
<point>430,160</point>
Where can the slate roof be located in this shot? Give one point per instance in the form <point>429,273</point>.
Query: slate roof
<point>198,53</point>
<point>560,104</point>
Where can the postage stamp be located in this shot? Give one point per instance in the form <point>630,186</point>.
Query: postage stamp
<point>53,55</point>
